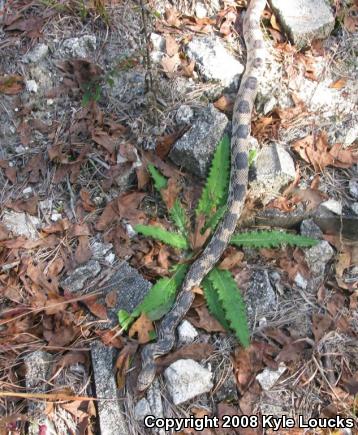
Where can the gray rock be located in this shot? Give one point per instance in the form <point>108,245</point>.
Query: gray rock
<point>111,417</point>
<point>275,168</point>
<point>354,207</point>
<point>213,61</point>
<point>195,148</point>
<point>318,256</point>
<point>304,20</point>
<point>21,224</point>
<point>186,332</point>
<point>268,378</point>
<point>187,379</point>
<point>260,296</point>
<point>38,53</point>
<point>333,205</point>
<point>38,366</point>
<point>310,229</point>
<point>81,47</point>
<point>184,114</point>
<point>99,250</point>
<point>128,86</point>
<point>353,188</point>
<point>142,409</point>
<point>300,281</point>
<point>81,275</point>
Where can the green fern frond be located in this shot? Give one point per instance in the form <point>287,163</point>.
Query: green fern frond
<point>271,239</point>
<point>158,301</point>
<point>232,303</point>
<point>213,302</point>
<point>167,237</point>
<point>160,182</point>
<point>214,193</point>
<point>215,219</point>
<point>178,216</point>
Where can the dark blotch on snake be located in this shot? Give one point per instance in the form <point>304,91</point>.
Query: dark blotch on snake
<point>241,161</point>
<point>258,44</point>
<point>241,131</point>
<point>258,61</point>
<point>243,107</point>
<point>239,192</point>
<point>251,83</point>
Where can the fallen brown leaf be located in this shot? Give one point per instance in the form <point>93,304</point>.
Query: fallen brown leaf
<point>143,326</point>
<point>123,361</point>
<point>206,320</point>
<point>11,85</point>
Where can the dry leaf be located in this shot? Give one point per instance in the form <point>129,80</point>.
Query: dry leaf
<point>143,326</point>
<point>171,46</point>
<point>231,260</point>
<point>338,84</point>
<point>123,361</point>
<point>225,103</point>
<point>11,85</point>
<point>206,320</point>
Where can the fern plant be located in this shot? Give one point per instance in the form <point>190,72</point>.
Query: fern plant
<point>223,297</point>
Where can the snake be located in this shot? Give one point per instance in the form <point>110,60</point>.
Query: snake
<point>241,128</point>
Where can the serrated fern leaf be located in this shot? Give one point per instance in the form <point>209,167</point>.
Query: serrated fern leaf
<point>215,219</point>
<point>178,216</point>
<point>232,303</point>
<point>160,182</point>
<point>215,191</point>
<point>270,239</point>
<point>161,295</point>
<point>167,237</point>
<point>213,302</point>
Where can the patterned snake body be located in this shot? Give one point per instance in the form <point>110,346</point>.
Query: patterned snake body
<point>241,125</point>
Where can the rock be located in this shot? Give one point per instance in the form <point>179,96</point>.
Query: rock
<point>354,207</point>
<point>304,20</point>
<point>186,332</point>
<point>38,53</point>
<point>81,47</point>
<point>210,56</point>
<point>300,281</point>
<point>21,224</point>
<point>158,42</point>
<point>187,379</point>
<point>112,419</point>
<point>38,368</point>
<point>184,114</point>
<point>333,205</point>
<point>128,88</point>
<point>310,229</point>
<point>142,409</point>
<point>260,296</point>
<point>318,256</point>
<point>81,275</point>
<point>99,250</point>
<point>31,86</point>
<point>274,168</point>
<point>267,378</point>
<point>28,191</point>
<point>351,135</point>
<point>194,150</point>
<point>353,188</point>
